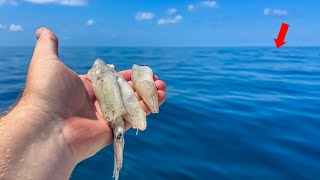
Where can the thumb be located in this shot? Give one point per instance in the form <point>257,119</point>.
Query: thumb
<point>47,45</point>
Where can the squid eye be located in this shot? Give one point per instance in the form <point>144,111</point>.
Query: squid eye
<point>119,136</point>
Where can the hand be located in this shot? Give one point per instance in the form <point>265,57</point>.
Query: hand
<point>70,98</point>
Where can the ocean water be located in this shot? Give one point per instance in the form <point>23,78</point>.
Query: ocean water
<point>230,113</point>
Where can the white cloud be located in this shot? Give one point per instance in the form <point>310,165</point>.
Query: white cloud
<point>10,2</point>
<point>60,2</point>
<point>202,4</point>
<point>171,11</point>
<point>15,28</point>
<point>209,4</point>
<point>276,12</point>
<point>3,27</point>
<point>190,7</point>
<point>280,12</point>
<point>141,16</point>
<point>266,11</point>
<point>90,22</point>
<point>173,20</point>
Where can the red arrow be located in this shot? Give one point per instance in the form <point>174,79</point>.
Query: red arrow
<point>282,35</point>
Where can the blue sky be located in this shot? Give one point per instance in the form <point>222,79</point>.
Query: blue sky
<point>161,22</point>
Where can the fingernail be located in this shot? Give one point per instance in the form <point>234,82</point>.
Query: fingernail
<point>39,32</point>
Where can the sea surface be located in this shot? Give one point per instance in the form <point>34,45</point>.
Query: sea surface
<point>230,113</point>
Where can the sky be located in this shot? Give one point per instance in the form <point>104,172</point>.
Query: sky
<point>161,22</point>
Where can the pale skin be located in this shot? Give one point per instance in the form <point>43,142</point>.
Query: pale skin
<point>57,122</point>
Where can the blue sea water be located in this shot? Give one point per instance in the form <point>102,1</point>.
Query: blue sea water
<point>230,113</point>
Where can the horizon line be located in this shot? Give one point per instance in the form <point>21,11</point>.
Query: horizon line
<point>167,46</point>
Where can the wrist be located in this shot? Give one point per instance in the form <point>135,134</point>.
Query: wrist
<point>34,144</point>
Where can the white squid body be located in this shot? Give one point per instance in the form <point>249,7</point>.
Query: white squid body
<point>142,78</point>
<point>135,114</point>
<point>107,90</point>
